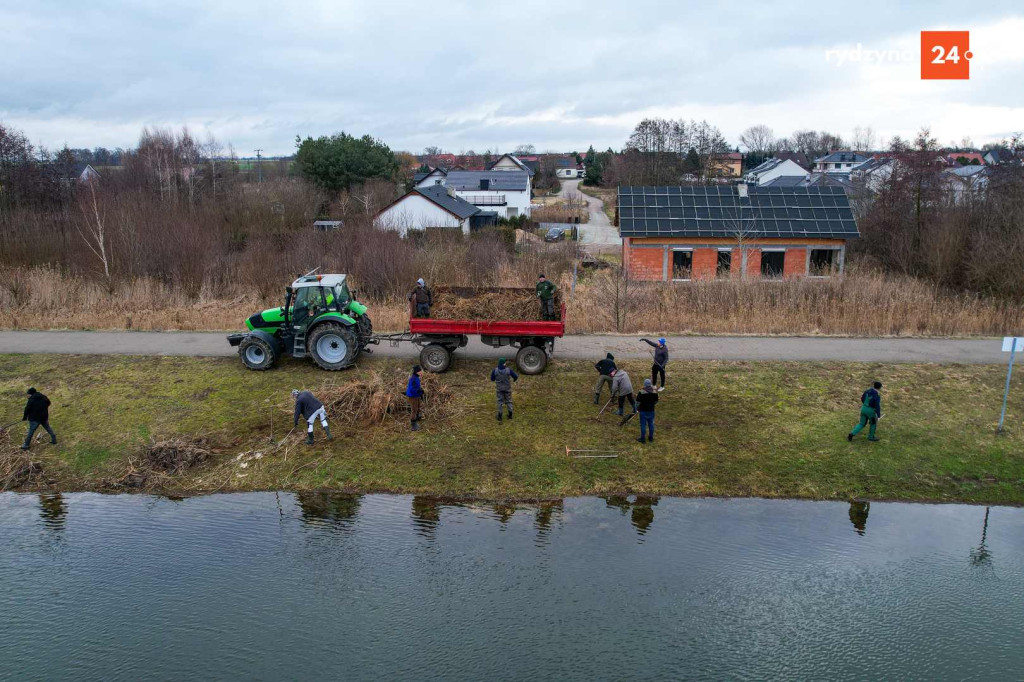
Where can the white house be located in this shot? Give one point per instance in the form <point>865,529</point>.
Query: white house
<point>427,207</point>
<point>964,182</point>
<point>434,177</point>
<point>510,163</point>
<point>774,168</point>
<point>506,193</point>
<point>873,173</point>
<point>839,162</point>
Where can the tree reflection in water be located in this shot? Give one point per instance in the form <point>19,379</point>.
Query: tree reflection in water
<point>336,509</point>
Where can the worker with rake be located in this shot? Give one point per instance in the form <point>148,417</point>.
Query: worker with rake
<point>311,409</point>
<point>660,360</point>
<point>622,388</point>
<point>604,376</point>
<point>37,413</point>
<point>503,377</point>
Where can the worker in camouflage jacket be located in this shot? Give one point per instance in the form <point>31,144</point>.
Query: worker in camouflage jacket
<point>503,377</point>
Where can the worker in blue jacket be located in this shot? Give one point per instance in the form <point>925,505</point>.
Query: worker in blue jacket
<point>870,412</point>
<point>414,393</point>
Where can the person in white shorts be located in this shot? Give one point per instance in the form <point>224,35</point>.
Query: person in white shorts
<point>311,409</point>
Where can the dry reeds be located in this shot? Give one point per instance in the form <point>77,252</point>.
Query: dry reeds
<point>380,396</point>
<point>486,304</point>
<point>17,468</point>
<point>177,455</point>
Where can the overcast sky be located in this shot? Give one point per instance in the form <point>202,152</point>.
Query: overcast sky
<point>558,74</point>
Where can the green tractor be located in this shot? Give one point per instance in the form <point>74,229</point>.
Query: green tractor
<point>320,317</point>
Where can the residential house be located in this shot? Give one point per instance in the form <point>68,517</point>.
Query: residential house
<point>728,165</point>
<point>839,162</point>
<point>709,231</point>
<point>799,158</point>
<point>774,168</point>
<point>507,162</point>
<point>965,159</point>
<point>995,157</point>
<point>566,167</point>
<point>434,177</point>
<point>964,182</point>
<point>873,173</point>
<point>431,207</point>
<point>507,193</point>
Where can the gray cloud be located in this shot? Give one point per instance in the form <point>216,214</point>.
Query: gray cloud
<point>462,75</point>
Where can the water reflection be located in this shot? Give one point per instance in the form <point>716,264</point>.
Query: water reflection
<point>859,515</point>
<point>332,508</point>
<point>641,509</point>
<point>981,556</point>
<point>53,510</point>
<point>426,512</point>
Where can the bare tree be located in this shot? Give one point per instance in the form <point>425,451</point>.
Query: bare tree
<point>525,149</point>
<point>212,149</point>
<point>93,228</point>
<point>758,139</point>
<point>864,138</point>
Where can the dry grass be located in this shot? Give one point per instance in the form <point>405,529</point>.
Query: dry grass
<point>860,304</point>
<point>561,212</point>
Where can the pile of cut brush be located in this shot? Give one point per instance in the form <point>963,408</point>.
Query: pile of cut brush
<point>492,304</point>
<point>16,466</point>
<point>380,395</point>
<point>159,461</point>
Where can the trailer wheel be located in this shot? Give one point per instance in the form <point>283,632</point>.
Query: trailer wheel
<point>531,359</point>
<point>256,353</point>
<point>435,358</point>
<point>333,346</point>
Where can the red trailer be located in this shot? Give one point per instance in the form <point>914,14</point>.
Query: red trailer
<point>438,339</point>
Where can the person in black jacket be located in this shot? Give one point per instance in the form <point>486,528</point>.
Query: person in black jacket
<point>37,413</point>
<point>310,409</point>
<point>604,376</point>
<point>646,399</point>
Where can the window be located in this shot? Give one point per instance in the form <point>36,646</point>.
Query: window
<point>682,264</point>
<point>513,211</point>
<point>823,262</point>
<point>772,264</point>
<point>724,263</point>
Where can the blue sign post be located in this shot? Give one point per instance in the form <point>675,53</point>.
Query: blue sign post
<point>1011,344</point>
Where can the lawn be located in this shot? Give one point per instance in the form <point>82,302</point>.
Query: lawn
<point>733,429</point>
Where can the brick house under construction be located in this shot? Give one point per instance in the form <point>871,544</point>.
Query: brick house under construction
<point>704,232</point>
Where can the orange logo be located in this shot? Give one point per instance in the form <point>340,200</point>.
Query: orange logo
<point>946,55</point>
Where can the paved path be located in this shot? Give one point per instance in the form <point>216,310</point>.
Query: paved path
<point>599,230</point>
<point>967,351</point>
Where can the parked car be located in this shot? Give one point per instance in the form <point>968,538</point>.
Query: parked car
<point>555,234</point>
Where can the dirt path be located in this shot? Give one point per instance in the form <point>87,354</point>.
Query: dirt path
<point>599,230</point>
<point>965,351</point>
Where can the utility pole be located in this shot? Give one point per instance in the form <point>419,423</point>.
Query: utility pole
<point>259,164</point>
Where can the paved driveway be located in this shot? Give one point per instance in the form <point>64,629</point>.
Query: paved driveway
<point>599,231</point>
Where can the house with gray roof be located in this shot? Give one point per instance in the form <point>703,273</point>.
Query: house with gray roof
<point>734,231</point>
<point>434,206</point>
<point>506,193</point>
<point>839,162</point>
<point>774,168</point>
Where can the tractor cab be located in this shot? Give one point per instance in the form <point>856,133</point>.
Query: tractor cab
<point>320,317</point>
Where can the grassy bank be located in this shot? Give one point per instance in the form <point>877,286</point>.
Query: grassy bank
<point>738,429</point>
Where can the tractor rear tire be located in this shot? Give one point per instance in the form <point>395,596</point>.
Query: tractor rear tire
<point>435,358</point>
<point>364,325</point>
<point>531,359</point>
<point>333,346</point>
<point>256,353</point>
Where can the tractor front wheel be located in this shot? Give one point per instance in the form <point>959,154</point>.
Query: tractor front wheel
<point>256,353</point>
<point>333,346</point>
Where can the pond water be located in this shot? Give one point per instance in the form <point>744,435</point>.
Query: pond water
<point>283,586</point>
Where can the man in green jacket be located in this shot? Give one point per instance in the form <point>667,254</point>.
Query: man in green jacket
<point>870,412</point>
<point>546,293</point>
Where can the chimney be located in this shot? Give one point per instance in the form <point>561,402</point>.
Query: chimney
<point>485,183</point>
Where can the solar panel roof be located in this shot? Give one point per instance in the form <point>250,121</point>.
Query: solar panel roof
<point>720,211</point>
